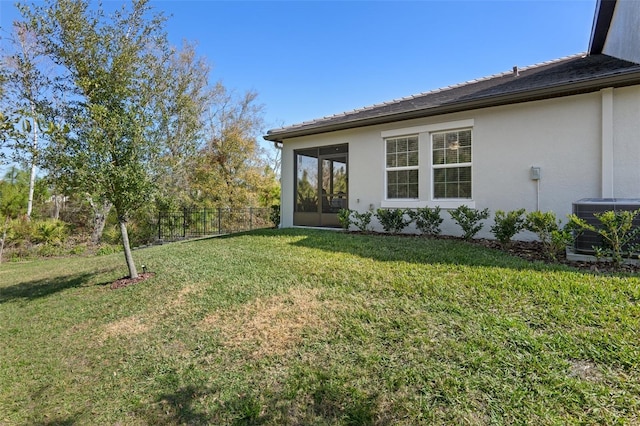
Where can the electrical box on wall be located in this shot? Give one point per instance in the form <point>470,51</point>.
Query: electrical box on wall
<point>534,173</point>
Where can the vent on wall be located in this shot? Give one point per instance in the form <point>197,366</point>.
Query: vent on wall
<point>585,209</point>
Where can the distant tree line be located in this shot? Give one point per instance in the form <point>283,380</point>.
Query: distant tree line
<point>110,124</point>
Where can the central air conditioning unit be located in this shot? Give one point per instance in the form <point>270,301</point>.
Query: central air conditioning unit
<point>585,209</point>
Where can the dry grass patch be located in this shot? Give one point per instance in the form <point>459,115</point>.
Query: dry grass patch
<point>130,326</point>
<point>273,325</point>
<point>586,370</point>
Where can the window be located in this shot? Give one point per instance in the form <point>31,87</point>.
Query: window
<point>402,167</point>
<point>451,162</point>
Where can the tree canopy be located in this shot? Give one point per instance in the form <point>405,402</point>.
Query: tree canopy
<point>130,121</point>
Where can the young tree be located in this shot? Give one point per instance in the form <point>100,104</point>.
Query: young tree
<point>26,100</point>
<point>110,62</point>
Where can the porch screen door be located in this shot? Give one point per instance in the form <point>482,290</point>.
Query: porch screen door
<point>321,186</point>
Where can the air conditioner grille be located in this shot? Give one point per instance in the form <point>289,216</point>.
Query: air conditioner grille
<point>585,209</point>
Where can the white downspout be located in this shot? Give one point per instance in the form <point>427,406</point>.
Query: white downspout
<point>607,143</point>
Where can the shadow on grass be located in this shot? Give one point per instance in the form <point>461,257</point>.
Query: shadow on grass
<point>415,249</point>
<point>42,288</point>
<point>330,403</point>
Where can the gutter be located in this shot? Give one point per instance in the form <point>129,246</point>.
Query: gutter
<point>627,78</point>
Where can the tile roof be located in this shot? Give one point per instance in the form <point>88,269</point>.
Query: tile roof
<point>571,75</point>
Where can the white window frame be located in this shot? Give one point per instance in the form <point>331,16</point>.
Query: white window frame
<point>425,165</point>
<point>435,167</point>
<point>401,168</point>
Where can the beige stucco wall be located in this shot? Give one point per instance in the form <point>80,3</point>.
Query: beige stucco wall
<point>561,136</point>
<point>623,38</point>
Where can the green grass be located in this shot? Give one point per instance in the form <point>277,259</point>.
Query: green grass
<point>315,327</point>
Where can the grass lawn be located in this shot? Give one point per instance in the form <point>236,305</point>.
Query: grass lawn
<point>316,327</point>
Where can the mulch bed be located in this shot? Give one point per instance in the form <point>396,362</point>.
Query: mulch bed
<point>533,251</point>
<point>126,281</point>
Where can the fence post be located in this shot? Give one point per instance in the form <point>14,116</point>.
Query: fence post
<point>184,222</point>
<point>204,222</point>
<point>159,225</point>
<point>250,218</point>
<point>219,220</point>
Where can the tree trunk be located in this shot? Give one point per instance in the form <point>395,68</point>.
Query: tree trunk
<point>133,273</point>
<point>32,178</point>
<point>4,237</point>
<point>100,213</point>
<point>57,205</point>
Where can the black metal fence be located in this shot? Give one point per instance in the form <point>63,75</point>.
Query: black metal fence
<point>184,224</point>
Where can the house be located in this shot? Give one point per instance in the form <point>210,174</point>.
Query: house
<point>539,138</point>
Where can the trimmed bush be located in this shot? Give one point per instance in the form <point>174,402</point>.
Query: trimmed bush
<point>392,220</point>
<point>427,220</point>
<point>616,230</point>
<point>344,218</point>
<point>362,220</point>
<point>552,235</point>
<point>469,220</point>
<point>508,224</point>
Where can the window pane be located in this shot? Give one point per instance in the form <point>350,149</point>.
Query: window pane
<point>451,156</point>
<point>465,190</point>
<point>413,190</point>
<point>391,160</point>
<point>392,177</point>
<point>392,191</point>
<point>402,177</point>
<point>464,138</point>
<point>402,160</point>
<point>402,191</point>
<point>438,141</point>
<point>438,190</point>
<point>438,157</point>
<point>413,176</point>
<point>402,145</point>
<point>452,190</point>
<point>465,154</point>
<point>439,175</point>
<point>451,175</point>
<point>413,144</point>
<point>413,158</point>
<point>391,146</point>
<point>465,174</point>
<point>306,184</point>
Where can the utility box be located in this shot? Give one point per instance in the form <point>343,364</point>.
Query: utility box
<point>585,209</point>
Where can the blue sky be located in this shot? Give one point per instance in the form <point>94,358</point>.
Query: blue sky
<point>309,59</point>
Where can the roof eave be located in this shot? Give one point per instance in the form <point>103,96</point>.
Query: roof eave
<point>601,23</point>
<point>552,91</point>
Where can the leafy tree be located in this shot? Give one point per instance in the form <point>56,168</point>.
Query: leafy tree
<point>180,128</point>
<point>110,61</point>
<point>26,72</point>
<point>231,171</point>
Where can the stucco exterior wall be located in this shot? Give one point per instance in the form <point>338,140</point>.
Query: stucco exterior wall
<point>561,136</point>
<point>626,142</point>
<point>623,38</point>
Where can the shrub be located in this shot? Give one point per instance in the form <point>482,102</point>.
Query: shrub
<point>344,218</point>
<point>427,220</point>
<point>616,230</point>
<point>392,220</point>
<point>469,220</point>
<point>553,237</point>
<point>48,232</point>
<point>362,220</point>
<point>506,225</point>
